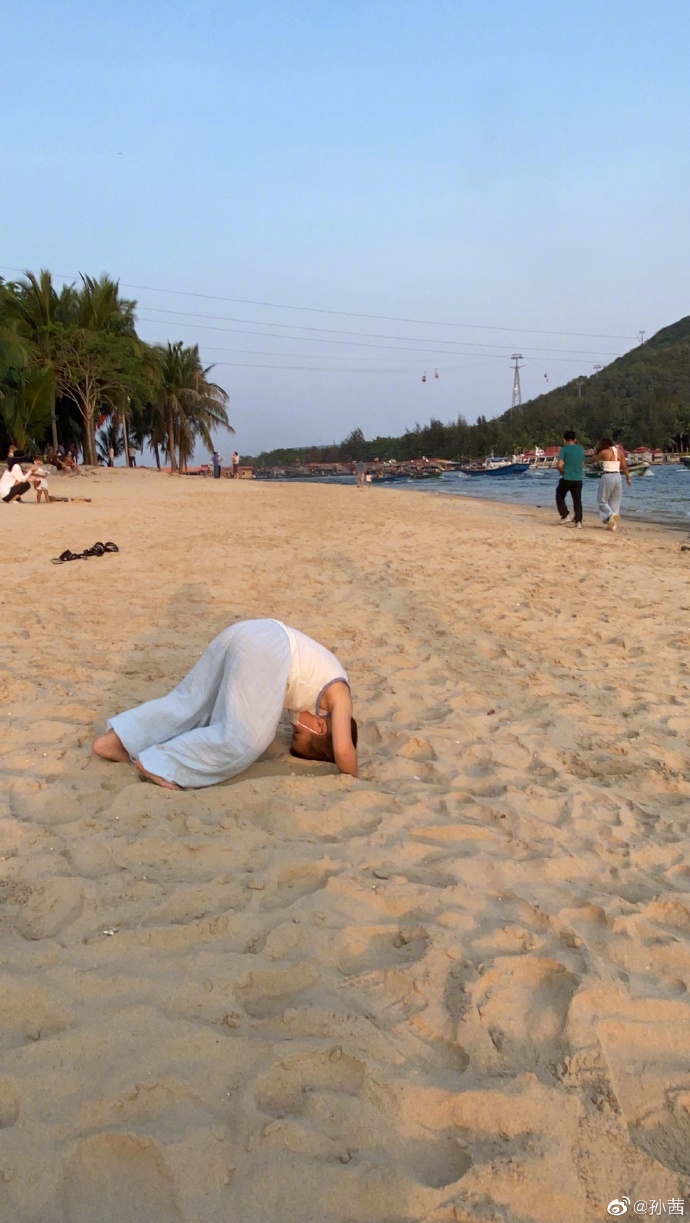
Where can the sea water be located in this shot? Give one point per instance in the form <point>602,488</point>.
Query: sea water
<point>661,495</point>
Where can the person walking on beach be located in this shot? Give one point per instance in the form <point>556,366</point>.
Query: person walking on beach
<point>216,459</point>
<point>611,455</point>
<point>226,711</point>
<point>235,465</point>
<point>359,469</point>
<point>571,462</point>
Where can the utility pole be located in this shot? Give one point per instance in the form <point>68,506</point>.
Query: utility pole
<point>640,335</point>
<point>517,393</point>
<point>579,387</point>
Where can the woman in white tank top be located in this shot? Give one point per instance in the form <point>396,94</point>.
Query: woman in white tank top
<point>226,711</point>
<point>611,455</point>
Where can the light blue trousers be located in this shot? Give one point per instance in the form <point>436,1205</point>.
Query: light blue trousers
<point>223,714</point>
<point>610,495</point>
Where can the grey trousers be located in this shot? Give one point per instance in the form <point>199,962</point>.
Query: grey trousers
<point>610,495</point>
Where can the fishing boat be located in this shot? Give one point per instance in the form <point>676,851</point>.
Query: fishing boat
<point>424,473</point>
<point>493,466</point>
<point>635,469</point>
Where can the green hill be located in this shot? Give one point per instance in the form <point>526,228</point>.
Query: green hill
<point>640,398</point>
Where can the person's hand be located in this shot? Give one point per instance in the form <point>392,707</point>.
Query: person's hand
<point>627,480</point>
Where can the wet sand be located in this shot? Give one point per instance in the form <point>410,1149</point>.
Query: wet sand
<point>454,989</point>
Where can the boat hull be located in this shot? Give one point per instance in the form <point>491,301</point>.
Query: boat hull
<point>510,469</point>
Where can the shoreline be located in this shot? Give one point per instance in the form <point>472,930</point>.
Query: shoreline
<point>671,524</point>
<point>675,523</point>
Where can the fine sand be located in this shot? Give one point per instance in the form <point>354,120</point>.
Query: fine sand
<point>452,990</point>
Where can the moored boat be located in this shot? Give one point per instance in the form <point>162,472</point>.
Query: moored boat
<point>506,468</point>
<point>635,469</point>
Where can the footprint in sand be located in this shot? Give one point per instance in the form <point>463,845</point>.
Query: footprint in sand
<point>366,949</point>
<point>437,1163</point>
<point>295,882</point>
<point>284,1089</point>
<point>28,1011</point>
<point>117,1177</point>
<point>50,908</point>
<point>523,1004</point>
<point>266,992</point>
<point>9,1105</point>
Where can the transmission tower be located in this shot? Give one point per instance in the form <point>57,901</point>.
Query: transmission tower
<point>517,393</point>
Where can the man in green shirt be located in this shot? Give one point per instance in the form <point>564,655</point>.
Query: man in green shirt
<point>571,462</point>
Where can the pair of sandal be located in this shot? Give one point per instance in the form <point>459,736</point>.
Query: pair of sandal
<point>98,549</point>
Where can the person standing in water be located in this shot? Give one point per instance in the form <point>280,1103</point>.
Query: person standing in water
<point>226,711</point>
<point>571,462</point>
<point>611,455</point>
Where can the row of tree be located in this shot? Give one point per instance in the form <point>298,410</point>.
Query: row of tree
<point>642,398</point>
<point>72,368</point>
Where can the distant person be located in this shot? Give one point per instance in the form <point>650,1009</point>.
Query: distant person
<point>13,484</point>
<point>216,459</point>
<point>611,455</point>
<point>235,465</point>
<point>571,464</point>
<point>226,711</point>
<point>359,469</point>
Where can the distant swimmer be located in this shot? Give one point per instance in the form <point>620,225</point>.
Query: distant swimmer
<point>226,711</point>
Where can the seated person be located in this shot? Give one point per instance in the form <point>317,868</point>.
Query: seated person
<point>225,712</point>
<point>13,484</point>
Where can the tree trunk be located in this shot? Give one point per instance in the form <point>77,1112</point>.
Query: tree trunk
<point>53,423</point>
<point>158,457</point>
<point>171,440</point>
<point>125,435</point>
<point>89,442</point>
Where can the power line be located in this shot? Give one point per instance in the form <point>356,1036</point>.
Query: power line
<point>389,347</point>
<point>389,318</point>
<point>374,335</point>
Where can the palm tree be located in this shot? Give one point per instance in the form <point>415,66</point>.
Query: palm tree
<point>186,405</point>
<point>33,308</point>
<point>27,409</point>
<point>109,438</point>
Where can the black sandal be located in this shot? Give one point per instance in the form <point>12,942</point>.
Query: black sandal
<point>68,556</point>
<point>111,547</point>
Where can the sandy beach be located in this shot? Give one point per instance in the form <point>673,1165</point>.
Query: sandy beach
<point>454,989</point>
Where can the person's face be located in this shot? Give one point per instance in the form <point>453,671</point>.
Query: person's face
<point>305,725</point>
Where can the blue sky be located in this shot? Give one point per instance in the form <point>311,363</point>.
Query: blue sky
<point>515,168</point>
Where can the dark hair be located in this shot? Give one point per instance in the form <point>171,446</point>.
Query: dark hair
<point>568,436</point>
<point>320,747</point>
<point>605,444</point>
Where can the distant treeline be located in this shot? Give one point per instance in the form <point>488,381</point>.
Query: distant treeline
<point>642,398</point>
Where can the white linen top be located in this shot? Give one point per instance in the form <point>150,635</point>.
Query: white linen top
<point>312,669</point>
<point>610,466</point>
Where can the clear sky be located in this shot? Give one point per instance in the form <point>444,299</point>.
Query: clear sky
<point>498,171</point>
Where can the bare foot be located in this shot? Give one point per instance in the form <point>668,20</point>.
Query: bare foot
<point>158,781</point>
<point>109,747</point>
